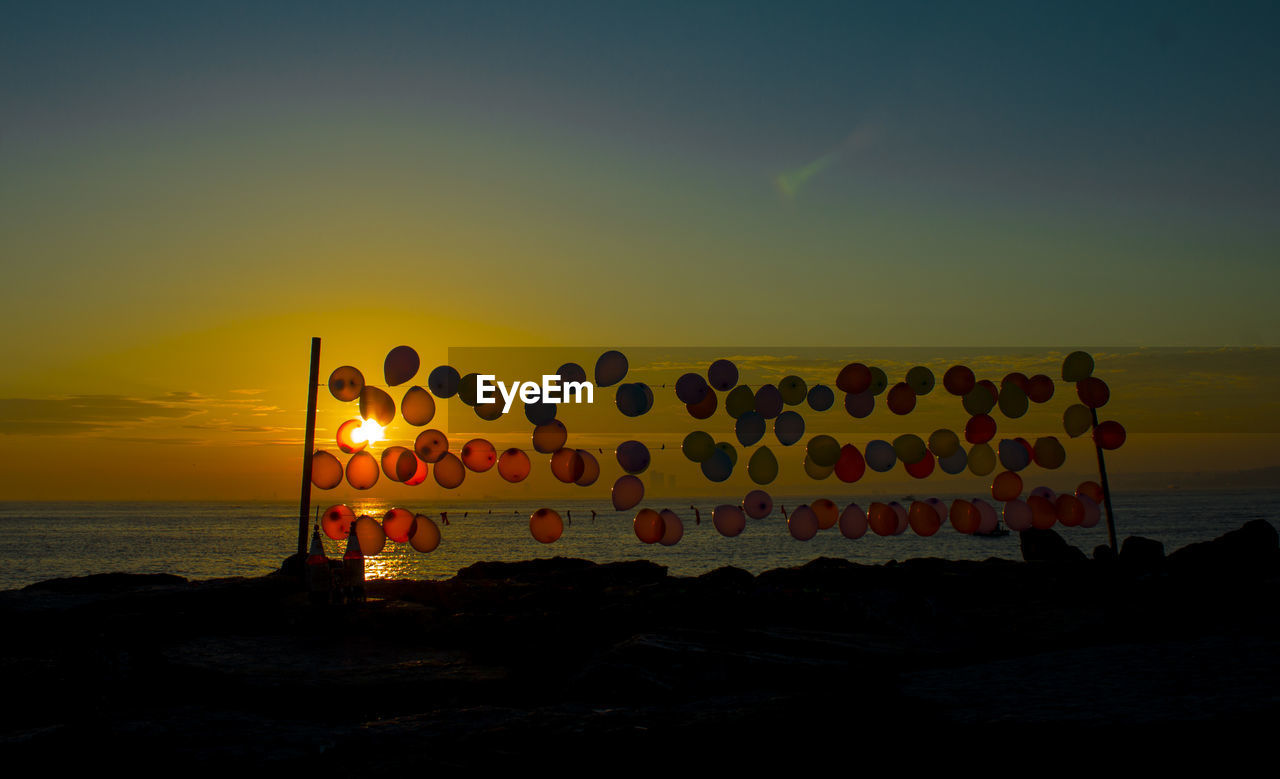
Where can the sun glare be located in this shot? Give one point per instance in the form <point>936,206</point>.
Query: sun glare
<point>369,432</point>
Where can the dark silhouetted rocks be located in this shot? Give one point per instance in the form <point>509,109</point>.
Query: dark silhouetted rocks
<point>1142,554</point>
<point>1253,551</point>
<point>1047,546</point>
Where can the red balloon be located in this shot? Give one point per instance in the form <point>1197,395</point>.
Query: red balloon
<point>1043,513</point>
<point>958,380</point>
<point>1040,388</point>
<point>979,429</point>
<point>854,378</point>
<point>1093,392</point>
<point>965,517</point>
<point>851,465</point>
<point>1091,490</point>
<point>1017,378</point>
<point>1006,487</point>
<point>703,408</point>
<point>922,467</point>
<point>1070,510</point>
<point>649,526</point>
<point>882,519</point>
<point>397,524</point>
<point>902,399</point>
<point>923,519</point>
<point>1109,435</point>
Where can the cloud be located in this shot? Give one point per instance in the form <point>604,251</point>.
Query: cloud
<point>790,182</point>
<point>73,414</point>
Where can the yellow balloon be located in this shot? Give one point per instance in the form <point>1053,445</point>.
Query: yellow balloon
<point>944,442</point>
<point>982,459</point>
<point>1077,420</point>
<point>909,448</point>
<point>763,466</point>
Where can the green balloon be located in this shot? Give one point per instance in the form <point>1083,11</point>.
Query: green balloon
<point>739,401</point>
<point>1077,366</point>
<point>698,446</point>
<point>730,451</point>
<point>823,450</point>
<point>763,466</point>
<point>1013,401</point>
<point>879,381</point>
<point>793,390</point>
<point>909,448</point>
<point>978,401</point>
<point>920,380</point>
<point>816,471</point>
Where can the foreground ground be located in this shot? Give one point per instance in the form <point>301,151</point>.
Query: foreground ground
<point>581,665</point>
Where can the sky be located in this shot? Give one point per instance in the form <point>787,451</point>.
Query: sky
<point>190,192</point>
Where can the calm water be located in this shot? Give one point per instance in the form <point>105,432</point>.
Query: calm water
<point>208,540</point>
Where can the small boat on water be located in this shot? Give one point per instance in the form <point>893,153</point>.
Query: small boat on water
<point>999,531</point>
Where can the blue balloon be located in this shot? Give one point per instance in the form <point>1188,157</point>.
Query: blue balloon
<point>539,412</point>
<point>443,381</point>
<point>571,371</point>
<point>750,428</point>
<point>955,462</point>
<point>1013,455</point>
<point>821,397</point>
<point>631,399</point>
<point>718,467</point>
<point>880,456</point>
<point>788,427</point>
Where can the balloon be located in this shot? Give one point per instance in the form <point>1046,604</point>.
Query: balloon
<point>449,471</point>
<point>793,390</point>
<point>909,448</point>
<point>431,445</point>
<point>823,450</point>
<point>545,525</point>
<point>803,523</point>
<point>698,446</point>
<point>987,518</point>
<point>704,408</point>
<point>718,466</point>
<point>419,473</point>
<point>691,388</point>
<point>739,401</point>
<point>1077,420</point>
<point>627,492</point>
<point>921,468</point>
<point>632,400</point>
<point>942,509</point>
<point>488,411</point>
<point>900,513</point>
<point>397,523</point>
<point>729,520</point>
<point>443,381</point>
<point>882,520</point>
<point>344,437</point>
<point>424,535</point>
<point>370,534</point>
<point>722,375</point>
<point>1093,392</point>
<point>763,466</point>
<point>1006,486</point>
<point>1091,511</point>
<point>980,429</point>
<point>1039,388</point>
<point>633,456</point>
<point>964,517</point>
<point>1077,366</point>
<point>479,455</point>
<point>788,427</point>
<point>550,437</point>
<point>728,449</point>
<point>1013,455</point>
<point>1017,378</point>
<point>879,381</point>
<point>1017,515</point>
<point>1013,401</point>
<point>514,465</point>
<point>1091,490</point>
<point>853,522</point>
<point>1048,452</point>
<point>978,401</point>
<point>944,442</point>
<point>376,404</point>
<point>958,380</point>
<point>326,470</point>
<point>362,471</point>
<point>1109,435</point>
<point>851,465</point>
<point>1043,512</point>
<point>571,371</point>
<point>881,456</point>
<point>648,526</point>
<point>539,412</point>
<point>861,405</point>
<point>826,511</point>
<point>400,365</point>
<point>336,521</point>
<point>749,428</point>
<point>567,465</point>
<point>982,459</point>
<point>417,406</point>
<point>815,471</point>
<point>821,397</point>
<point>398,463</point>
<point>854,378</point>
<point>345,383</point>
<point>920,380</point>
<point>955,462</point>
<point>672,528</point>
<point>1070,510</point>
<point>469,388</point>
<point>757,504</point>
<point>590,469</point>
<point>768,401</point>
<point>923,519</point>
<point>901,399</point>
<point>611,368</point>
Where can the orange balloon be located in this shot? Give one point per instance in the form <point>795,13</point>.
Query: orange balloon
<point>326,470</point>
<point>336,521</point>
<point>362,471</point>
<point>590,469</point>
<point>370,534</point>
<point>1091,490</point>
<point>377,404</point>
<point>1043,513</point>
<point>514,465</point>
<point>923,519</point>
<point>1070,510</point>
<point>550,437</point>
<point>965,518</point>
<point>902,399</point>
<point>345,383</point>
<point>450,471</point>
<point>649,526</point>
<point>568,465</point>
<point>419,474</point>
<point>345,442</point>
<point>397,523</point>
<point>431,445</point>
<point>1006,486</point>
<point>424,535</point>
<point>417,406</point>
<point>479,455</point>
<point>882,520</point>
<point>398,463</point>
<point>545,525</point>
<point>827,512</point>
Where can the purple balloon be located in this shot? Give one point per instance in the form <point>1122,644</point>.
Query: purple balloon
<point>861,405</point>
<point>691,388</point>
<point>633,456</point>
<point>768,401</point>
<point>723,375</point>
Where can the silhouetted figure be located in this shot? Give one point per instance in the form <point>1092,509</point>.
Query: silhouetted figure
<point>593,515</point>
<point>697,516</point>
<point>444,517</point>
<point>569,516</point>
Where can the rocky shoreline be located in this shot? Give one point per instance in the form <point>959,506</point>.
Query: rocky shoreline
<point>511,664</point>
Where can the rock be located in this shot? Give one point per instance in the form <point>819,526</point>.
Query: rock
<point>107,582</point>
<point>1253,551</point>
<point>1047,546</point>
<point>1103,553</point>
<point>524,569</point>
<point>727,577</point>
<point>1142,554</point>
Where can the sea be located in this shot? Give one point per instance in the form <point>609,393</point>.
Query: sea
<point>210,540</point>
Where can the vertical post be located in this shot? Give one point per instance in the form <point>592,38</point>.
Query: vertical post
<point>1106,488</point>
<point>304,506</point>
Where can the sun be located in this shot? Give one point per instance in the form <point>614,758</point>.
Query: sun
<point>369,432</point>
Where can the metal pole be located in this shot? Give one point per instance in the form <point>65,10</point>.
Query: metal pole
<point>304,506</point>
<point>1106,487</point>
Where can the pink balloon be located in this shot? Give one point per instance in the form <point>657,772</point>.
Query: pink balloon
<point>803,523</point>
<point>1046,493</point>
<point>987,514</point>
<point>901,511</point>
<point>1017,515</point>
<point>944,511</point>
<point>757,504</point>
<point>1092,513</point>
<point>853,522</point>
<point>673,528</point>
<point>729,520</point>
